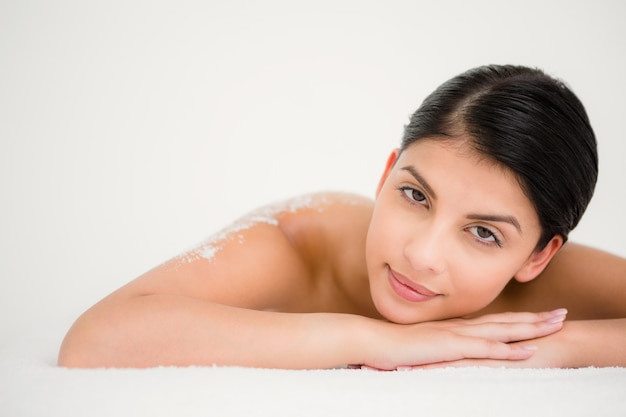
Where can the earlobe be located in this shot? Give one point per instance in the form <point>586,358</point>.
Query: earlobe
<point>391,161</point>
<point>539,260</point>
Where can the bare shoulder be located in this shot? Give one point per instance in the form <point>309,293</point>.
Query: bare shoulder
<point>329,236</point>
<point>329,222</point>
<point>590,283</point>
<point>277,257</point>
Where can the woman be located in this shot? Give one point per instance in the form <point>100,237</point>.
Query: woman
<point>495,168</point>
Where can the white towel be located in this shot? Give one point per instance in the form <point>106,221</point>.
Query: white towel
<point>31,385</point>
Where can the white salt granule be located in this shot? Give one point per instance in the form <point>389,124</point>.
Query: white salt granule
<point>268,215</point>
<point>207,252</point>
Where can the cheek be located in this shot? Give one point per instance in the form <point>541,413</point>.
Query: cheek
<point>480,283</point>
<point>385,238</point>
<point>374,248</point>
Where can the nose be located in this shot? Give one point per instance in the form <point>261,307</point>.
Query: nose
<point>427,250</point>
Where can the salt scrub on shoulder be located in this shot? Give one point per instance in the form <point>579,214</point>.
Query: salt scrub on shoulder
<point>267,215</point>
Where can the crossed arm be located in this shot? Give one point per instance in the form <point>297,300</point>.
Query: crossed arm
<point>254,313</point>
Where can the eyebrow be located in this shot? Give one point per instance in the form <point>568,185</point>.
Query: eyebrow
<point>420,179</point>
<point>484,217</point>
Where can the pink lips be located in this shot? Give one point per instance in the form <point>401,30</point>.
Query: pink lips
<point>408,289</point>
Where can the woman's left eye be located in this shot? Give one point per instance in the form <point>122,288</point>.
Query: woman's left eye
<point>485,235</point>
<point>414,195</point>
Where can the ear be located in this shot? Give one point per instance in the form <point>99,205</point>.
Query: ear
<point>539,260</point>
<point>391,161</point>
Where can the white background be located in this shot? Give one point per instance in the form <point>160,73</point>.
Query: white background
<point>131,130</point>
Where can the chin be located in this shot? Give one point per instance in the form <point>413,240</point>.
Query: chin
<point>400,314</point>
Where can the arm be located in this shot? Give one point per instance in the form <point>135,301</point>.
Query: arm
<point>581,343</point>
<point>173,330</point>
<point>169,330</point>
<point>194,311</point>
<point>264,300</point>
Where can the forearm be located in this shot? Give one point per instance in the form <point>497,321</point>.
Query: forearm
<point>579,344</point>
<point>170,330</point>
<point>585,343</point>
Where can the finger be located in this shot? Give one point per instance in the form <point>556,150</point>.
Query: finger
<point>367,368</point>
<point>371,368</point>
<point>489,363</point>
<point>459,347</point>
<point>478,348</point>
<point>512,332</point>
<point>518,317</point>
<point>464,363</point>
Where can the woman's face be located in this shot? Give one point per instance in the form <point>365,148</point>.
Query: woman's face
<point>449,230</point>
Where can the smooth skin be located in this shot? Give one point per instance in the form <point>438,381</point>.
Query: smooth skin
<point>315,289</point>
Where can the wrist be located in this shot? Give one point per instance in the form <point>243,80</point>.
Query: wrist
<point>337,340</point>
<point>370,341</point>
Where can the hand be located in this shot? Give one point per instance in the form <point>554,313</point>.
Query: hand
<point>503,337</point>
<point>580,343</point>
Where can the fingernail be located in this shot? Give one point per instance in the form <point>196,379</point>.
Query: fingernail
<point>556,319</point>
<point>559,312</point>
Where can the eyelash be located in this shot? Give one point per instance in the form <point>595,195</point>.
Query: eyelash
<point>403,192</point>
<point>496,241</point>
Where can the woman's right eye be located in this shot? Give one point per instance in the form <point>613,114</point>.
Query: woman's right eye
<point>414,195</point>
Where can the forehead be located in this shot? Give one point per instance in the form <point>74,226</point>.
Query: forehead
<point>437,151</point>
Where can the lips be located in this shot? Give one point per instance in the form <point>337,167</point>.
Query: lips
<point>409,290</point>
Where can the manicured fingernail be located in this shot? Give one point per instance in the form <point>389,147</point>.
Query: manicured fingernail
<point>559,312</point>
<point>556,319</point>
